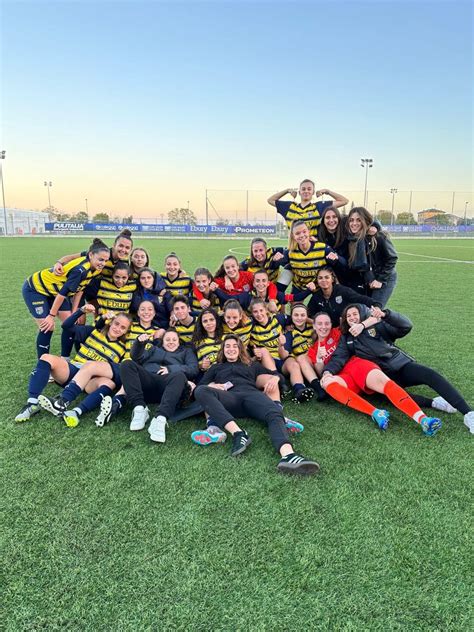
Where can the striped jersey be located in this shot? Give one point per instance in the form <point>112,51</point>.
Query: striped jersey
<point>272,270</point>
<point>196,305</point>
<point>242,331</point>
<point>305,265</point>
<point>180,286</point>
<point>299,341</point>
<point>267,335</point>
<point>137,330</point>
<point>185,332</point>
<point>111,298</point>
<point>77,274</point>
<point>207,348</point>
<point>311,213</point>
<point>97,347</point>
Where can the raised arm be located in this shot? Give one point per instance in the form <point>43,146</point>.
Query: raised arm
<point>277,196</point>
<point>339,200</point>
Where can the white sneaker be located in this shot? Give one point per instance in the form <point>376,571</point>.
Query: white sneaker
<point>469,421</point>
<point>157,429</point>
<point>139,418</point>
<point>441,404</point>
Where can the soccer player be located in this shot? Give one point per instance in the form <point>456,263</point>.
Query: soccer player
<point>182,319</point>
<point>228,391</point>
<point>263,257</point>
<point>232,280</point>
<point>151,287</point>
<point>114,294</point>
<point>48,295</point>
<point>306,210</point>
<point>177,282</point>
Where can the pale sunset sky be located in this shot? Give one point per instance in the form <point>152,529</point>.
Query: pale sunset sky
<point>141,106</point>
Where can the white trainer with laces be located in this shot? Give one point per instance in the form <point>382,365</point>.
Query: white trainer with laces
<point>157,429</point>
<point>139,418</point>
<point>469,421</point>
<point>439,403</point>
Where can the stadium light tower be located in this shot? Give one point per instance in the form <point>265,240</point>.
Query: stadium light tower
<point>465,210</point>
<point>48,184</point>
<point>2,157</point>
<point>393,191</point>
<point>366,163</point>
<point>375,209</point>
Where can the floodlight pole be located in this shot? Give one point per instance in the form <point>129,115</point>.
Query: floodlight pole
<point>393,191</point>
<point>366,163</point>
<point>2,157</point>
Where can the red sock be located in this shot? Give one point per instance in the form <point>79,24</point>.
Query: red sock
<point>345,396</point>
<point>402,400</point>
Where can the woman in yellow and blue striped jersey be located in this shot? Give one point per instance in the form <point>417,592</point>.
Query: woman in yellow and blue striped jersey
<point>48,295</point>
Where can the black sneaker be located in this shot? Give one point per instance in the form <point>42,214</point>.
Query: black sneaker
<point>240,442</point>
<point>297,464</point>
<point>56,406</point>
<point>285,390</point>
<point>304,395</point>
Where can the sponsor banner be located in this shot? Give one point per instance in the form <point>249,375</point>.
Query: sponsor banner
<point>255,229</point>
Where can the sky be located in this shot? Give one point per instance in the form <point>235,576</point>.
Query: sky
<point>142,106</point>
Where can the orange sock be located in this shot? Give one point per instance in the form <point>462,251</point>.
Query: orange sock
<point>402,400</point>
<point>345,396</point>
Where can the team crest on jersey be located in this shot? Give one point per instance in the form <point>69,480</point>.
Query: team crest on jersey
<point>329,341</point>
<point>338,300</point>
<point>39,310</point>
<point>246,288</point>
<point>372,332</point>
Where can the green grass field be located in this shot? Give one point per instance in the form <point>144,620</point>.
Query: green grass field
<point>103,530</point>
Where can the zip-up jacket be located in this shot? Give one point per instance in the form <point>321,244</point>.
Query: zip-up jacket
<point>182,360</point>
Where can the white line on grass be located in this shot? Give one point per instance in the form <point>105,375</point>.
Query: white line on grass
<point>414,254</point>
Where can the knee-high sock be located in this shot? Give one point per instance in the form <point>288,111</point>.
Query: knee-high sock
<point>43,342</point>
<point>67,343</point>
<point>94,399</point>
<point>345,396</point>
<point>71,391</point>
<point>402,400</point>
<point>38,379</point>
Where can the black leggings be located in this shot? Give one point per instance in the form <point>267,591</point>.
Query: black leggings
<point>225,406</point>
<point>142,387</point>
<point>414,374</point>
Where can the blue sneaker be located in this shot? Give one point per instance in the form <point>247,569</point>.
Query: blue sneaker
<point>430,426</point>
<point>381,418</point>
<point>213,434</point>
<point>294,427</point>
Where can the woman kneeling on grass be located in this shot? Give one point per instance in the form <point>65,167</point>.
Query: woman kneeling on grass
<point>372,340</point>
<point>228,391</point>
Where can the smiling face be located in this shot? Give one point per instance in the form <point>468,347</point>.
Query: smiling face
<point>325,280</point>
<point>231,350</point>
<point>170,341</point>
<point>353,316</point>
<point>231,268</point>
<point>120,278</point>
<point>172,266</point>
<point>118,327</point>
<point>331,221</point>
<point>146,280</point>
<point>99,259</point>
<point>121,249</point>
<point>301,235</point>
<point>202,283</point>
<point>259,251</point>
<point>146,312</point>
<point>299,316</point>
<point>232,318</point>
<point>209,323</point>
<point>306,191</point>
<point>259,313</point>
<point>322,326</point>
<point>355,223</point>
<point>181,311</point>
<point>139,258</point>
<point>261,282</point>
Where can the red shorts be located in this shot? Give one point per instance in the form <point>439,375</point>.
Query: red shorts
<point>355,374</point>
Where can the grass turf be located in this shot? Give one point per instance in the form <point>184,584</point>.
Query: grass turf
<point>103,530</point>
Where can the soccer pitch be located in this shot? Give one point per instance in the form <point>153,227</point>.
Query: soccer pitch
<point>104,530</point>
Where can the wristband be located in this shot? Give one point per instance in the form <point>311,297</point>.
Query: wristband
<point>53,315</point>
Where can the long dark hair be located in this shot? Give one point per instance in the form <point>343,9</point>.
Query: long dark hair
<point>105,329</point>
<point>256,240</point>
<point>366,219</point>
<point>97,246</point>
<point>336,238</point>
<point>220,274</point>
<point>200,333</point>
<point>243,355</point>
<point>125,234</point>
<point>344,327</point>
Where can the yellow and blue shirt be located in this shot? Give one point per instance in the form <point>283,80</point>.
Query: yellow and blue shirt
<point>77,274</point>
<point>179,287</point>
<point>305,265</point>
<point>111,298</point>
<point>311,213</point>
<point>267,335</point>
<point>98,348</point>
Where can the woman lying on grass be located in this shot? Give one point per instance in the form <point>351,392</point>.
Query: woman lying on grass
<point>368,338</point>
<point>228,391</point>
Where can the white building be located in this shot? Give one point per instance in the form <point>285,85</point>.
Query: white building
<point>22,222</point>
